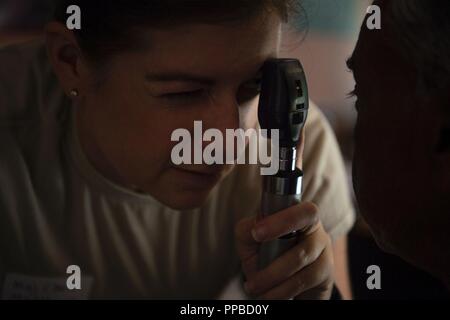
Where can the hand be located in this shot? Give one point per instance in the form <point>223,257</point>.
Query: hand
<point>303,272</point>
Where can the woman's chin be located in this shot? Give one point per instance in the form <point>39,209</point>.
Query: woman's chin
<point>181,197</point>
<point>184,190</point>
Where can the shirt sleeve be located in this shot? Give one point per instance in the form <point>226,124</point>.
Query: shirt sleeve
<point>325,180</point>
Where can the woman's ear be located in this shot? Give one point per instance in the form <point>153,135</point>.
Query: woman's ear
<point>66,58</point>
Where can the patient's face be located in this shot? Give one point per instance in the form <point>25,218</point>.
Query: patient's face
<point>190,72</point>
<point>393,170</point>
<point>392,158</point>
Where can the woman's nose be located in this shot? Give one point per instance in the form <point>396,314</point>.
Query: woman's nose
<point>222,114</point>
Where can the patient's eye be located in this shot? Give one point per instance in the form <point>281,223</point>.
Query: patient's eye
<point>353,93</point>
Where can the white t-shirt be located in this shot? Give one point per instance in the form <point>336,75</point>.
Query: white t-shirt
<point>56,210</point>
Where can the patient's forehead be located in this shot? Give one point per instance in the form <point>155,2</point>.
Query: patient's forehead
<point>379,49</point>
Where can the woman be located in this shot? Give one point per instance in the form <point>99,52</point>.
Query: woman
<point>88,181</point>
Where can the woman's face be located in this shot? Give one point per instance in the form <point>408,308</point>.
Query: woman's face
<point>189,72</point>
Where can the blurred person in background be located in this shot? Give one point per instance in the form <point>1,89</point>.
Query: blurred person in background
<point>24,14</point>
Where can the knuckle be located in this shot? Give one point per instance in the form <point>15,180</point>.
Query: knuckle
<point>323,288</point>
<point>328,258</point>
<point>327,284</point>
<point>325,263</point>
<point>309,215</point>
<point>330,269</point>
<point>310,208</point>
<point>327,273</point>
<point>302,257</point>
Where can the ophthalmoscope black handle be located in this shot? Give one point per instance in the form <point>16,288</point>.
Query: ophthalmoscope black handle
<point>283,105</point>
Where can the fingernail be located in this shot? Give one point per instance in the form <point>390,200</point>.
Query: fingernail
<point>258,233</point>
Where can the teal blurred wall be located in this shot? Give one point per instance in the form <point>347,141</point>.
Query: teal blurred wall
<point>334,17</point>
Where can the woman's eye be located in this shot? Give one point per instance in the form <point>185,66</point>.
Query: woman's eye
<point>186,96</point>
<point>249,91</point>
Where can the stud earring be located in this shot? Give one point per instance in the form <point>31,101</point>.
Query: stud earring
<point>74,93</point>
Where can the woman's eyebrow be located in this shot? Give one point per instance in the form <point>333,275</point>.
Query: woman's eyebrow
<point>178,76</point>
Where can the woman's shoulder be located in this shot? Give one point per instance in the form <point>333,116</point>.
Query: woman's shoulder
<point>321,146</point>
<point>317,125</point>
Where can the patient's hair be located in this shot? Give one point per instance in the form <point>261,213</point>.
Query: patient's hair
<point>422,29</point>
<point>111,26</point>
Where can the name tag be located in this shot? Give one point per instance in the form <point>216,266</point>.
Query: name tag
<point>23,287</point>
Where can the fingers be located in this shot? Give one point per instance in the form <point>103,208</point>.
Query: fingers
<point>281,278</point>
<point>303,272</point>
<point>303,216</point>
<point>294,260</point>
<point>324,289</point>
<point>312,282</point>
<point>247,247</point>
<point>242,230</point>
<point>320,292</point>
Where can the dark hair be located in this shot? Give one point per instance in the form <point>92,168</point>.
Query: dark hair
<point>108,26</point>
<point>421,28</point>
